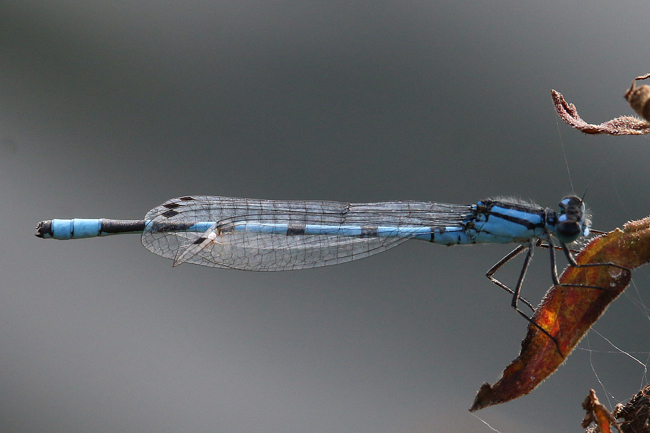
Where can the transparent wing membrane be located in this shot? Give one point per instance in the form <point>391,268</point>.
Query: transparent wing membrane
<point>228,243</point>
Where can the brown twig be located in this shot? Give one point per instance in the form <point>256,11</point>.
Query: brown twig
<point>636,413</point>
<point>624,125</point>
<point>598,413</point>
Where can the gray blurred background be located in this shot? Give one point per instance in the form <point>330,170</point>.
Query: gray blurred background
<point>107,109</point>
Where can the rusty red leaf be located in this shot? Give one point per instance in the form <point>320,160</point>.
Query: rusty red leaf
<point>567,313</point>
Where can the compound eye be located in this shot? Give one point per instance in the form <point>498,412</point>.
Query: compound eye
<point>568,231</point>
<point>569,204</point>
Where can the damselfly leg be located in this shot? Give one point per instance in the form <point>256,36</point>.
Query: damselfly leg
<point>516,293</point>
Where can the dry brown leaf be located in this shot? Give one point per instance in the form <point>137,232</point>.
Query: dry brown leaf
<point>567,313</point>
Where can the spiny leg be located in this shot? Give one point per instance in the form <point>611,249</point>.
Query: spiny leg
<point>573,263</point>
<point>515,297</point>
<point>516,293</point>
<point>490,274</point>
<point>556,248</point>
<point>556,281</point>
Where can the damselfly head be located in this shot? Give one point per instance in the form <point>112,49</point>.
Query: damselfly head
<point>571,220</point>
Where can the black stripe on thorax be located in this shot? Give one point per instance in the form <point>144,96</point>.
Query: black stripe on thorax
<point>513,206</point>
